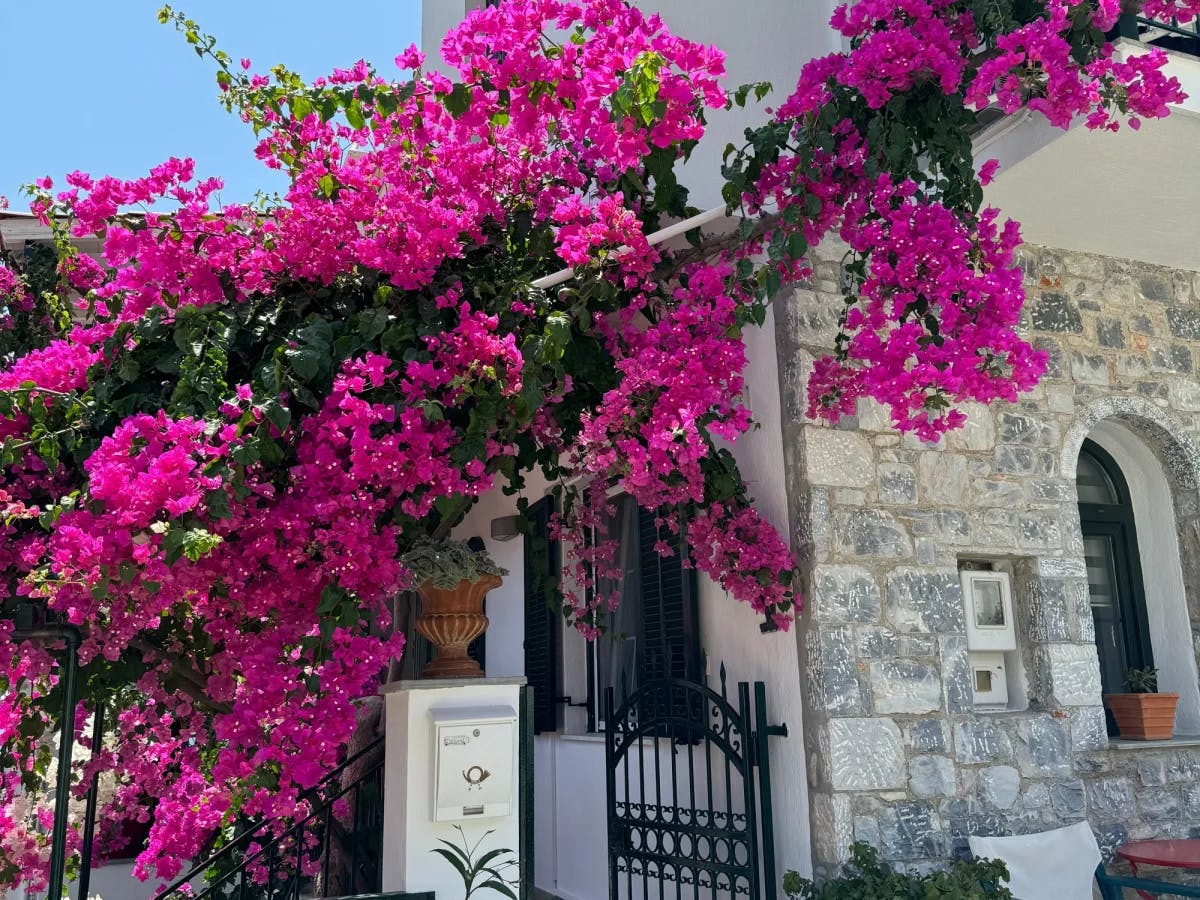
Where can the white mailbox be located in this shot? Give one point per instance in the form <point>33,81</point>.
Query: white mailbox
<point>473,762</point>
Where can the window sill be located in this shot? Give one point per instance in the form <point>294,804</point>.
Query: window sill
<point>1179,740</point>
<point>581,738</point>
<point>599,739</point>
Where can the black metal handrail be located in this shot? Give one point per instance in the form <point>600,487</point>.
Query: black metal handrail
<point>1184,38</point>
<point>274,860</point>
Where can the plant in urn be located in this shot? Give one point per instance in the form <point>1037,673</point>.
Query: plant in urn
<point>451,580</point>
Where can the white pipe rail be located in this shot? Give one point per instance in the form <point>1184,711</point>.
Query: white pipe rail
<point>549,281</point>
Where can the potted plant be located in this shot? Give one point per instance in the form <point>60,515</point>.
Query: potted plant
<point>1143,714</point>
<point>451,580</point>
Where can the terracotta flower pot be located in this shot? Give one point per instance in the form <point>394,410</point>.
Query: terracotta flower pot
<point>450,619</point>
<point>1143,717</point>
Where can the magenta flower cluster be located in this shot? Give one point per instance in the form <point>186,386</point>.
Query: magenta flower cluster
<point>250,597</point>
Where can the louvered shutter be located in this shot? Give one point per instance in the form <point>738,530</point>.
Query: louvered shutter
<point>542,631</point>
<point>670,627</point>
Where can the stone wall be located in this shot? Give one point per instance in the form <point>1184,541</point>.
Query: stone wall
<point>898,756</point>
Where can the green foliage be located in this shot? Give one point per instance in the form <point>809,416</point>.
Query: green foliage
<point>446,563</point>
<point>865,878</point>
<point>487,873</point>
<point>1142,681</point>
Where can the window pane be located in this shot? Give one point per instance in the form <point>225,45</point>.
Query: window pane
<point>989,607</point>
<point>1092,482</point>
<point>616,650</point>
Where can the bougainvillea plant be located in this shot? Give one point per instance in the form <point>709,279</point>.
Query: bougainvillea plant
<point>224,429</point>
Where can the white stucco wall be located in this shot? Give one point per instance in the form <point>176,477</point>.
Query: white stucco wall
<point>764,40</point>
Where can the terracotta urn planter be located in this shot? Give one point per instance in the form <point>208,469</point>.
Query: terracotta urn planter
<point>450,619</point>
<point>1143,717</point>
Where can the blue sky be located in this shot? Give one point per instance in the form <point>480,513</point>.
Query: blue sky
<point>102,87</point>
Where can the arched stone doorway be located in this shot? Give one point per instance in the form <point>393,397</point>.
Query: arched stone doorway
<point>1116,584</point>
<point>1139,511</point>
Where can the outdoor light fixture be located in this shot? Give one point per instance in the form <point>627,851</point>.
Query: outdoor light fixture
<point>506,528</point>
<point>33,624</point>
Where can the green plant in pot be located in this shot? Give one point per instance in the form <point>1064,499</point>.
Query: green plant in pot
<point>1143,714</point>
<point>865,876</point>
<point>495,871</point>
<point>451,580</point>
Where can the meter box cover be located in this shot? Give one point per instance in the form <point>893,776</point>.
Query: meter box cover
<point>473,760</point>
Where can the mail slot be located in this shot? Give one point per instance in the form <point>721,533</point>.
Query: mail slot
<point>473,762</point>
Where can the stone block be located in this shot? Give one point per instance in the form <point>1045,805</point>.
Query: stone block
<point>1110,836</point>
<point>956,674</point>
<point>905,686</point>
<point>925,601</point>
<point>1089,368</point>
<point>866,754</point>
<point>838,458</point>
<point>1152,771</point>
<point>1017,460</point>
<point>837,672</point>
<point>981,741</point>
<point>932,776</point>
<point>1073,671</point>
<point>977,434</point>
<point>832,827</point>
<point>870,533</point>
<point>947,525</point>
<point>1174,359</point>
<point>1000,786</point>
<point>995,492</point>
<point>1185,395</point>
<point>1056,489</point>
<point>1051,609</point>
<point>1183,765</point>
<point>845,594</point>
<point>1055,312</point>
<point>1036,796</point>
<point>1061,567</point>
<point>1153,286</point>
<point>1044,747</point>
<point>1110,798</point>
<point>943,478</point>
<point>927,736</point>
<point>1039,531</point>
<point>874,642</point>
<point>866,830</point>
<point>1110,333</point>
<point>897,484</point>
<point>908,831</point>
<point>1190,797</point>
<point>1157,804</point>
<point>918,645</point>
<point>1184,322</point>
<point>1027,430</point>
<point>1067,798</point>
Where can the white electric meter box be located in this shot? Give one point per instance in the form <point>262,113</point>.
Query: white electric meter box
<point>989,682</point>
<point>988,600</point>
<point>473,760</point>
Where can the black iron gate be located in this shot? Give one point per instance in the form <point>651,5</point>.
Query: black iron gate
<point>689,792</point>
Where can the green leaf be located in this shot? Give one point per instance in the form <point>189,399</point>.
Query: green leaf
<point>458,101</point>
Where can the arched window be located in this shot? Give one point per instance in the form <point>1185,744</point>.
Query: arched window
<point>1114,570</point>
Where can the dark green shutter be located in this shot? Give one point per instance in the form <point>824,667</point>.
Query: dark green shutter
<point>670,639</point>
<point>542,626</point>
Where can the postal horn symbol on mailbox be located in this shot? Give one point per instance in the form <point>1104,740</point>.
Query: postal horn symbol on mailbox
<point>476,776</point>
